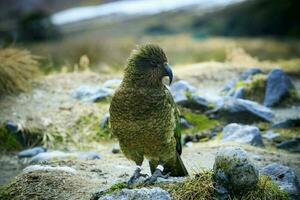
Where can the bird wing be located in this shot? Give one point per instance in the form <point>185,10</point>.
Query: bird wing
<point>177,130</point>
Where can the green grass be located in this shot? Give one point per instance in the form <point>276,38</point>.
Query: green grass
<point>8,142</point>
<point>200,122</point>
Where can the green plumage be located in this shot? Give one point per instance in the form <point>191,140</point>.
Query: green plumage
<point>143,115</point>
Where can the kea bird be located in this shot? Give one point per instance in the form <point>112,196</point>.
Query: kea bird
<point>144,117</point>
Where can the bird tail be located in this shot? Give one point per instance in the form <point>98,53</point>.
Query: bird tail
<point>175,167</point>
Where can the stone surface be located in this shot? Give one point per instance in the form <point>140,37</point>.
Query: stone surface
<point>116,149</point>
<point>46,156</point>
<point>31,152</point>
<point>288,123</point>
<point>284,177</point>
<point>241,111</point>
<point>270,135</point>
<point>278,87</point>
<point>88,93</point>
<point>239,93</point>
<point>185,124</point>
<point>32,168</point>
<point>233,171</point>
<point>249,73</point>
<point>292,145</point>
<point>242,134</point>
<point>180,89</point>
<point>195,102</point>
<point>135,194</point>
<point>88,156</point>
<point>104,121</point>
<point>112,84</point>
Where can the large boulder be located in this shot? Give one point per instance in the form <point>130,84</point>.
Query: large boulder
<point>278,87</point>
<point>31,152</point>
<point>284,177</point>
<point>180,90</point>
<point>88,93</point>
<point>292,145</point>
<point>141,193</point>
<point>234,172</point>
<point>242,134</point>
<point>195,102</point>
<point>249,73</point>
<point>241,111</point>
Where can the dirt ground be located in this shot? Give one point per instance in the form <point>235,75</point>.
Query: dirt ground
<point>51,102</point>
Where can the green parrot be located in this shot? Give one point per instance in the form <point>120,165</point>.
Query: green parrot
<point>144,117</point>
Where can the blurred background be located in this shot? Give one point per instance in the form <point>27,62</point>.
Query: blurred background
<point>61,31</point>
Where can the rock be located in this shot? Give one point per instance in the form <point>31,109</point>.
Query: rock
<point>31,152</point>
<point>155,193</point>
<point>46,156</point>
<point>116,149</point>
<point>189,144</point>
<point>112,84</point>
<point>32,168</point>
<point>270,135</point>
<point>242,134</point>
<point>195,103</point>
<point>233,172</point>
<point>180,89</point>
<point>284,177</point>
<point>241,111</point>
<point>249,73</point>
<point>104,121</point>
<point>89,156</point>
<point>239,93</point>
<point>229,86</point>
<point>292,145</point>
<point>278,87</point>
<point>184,124</point>
<point>188,138</point>
<point>91,93</point>
<point>288,123</point>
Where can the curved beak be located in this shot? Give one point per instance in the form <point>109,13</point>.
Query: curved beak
<point>168,72</point>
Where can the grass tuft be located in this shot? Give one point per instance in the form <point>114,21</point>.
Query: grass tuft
<point>17,68</point>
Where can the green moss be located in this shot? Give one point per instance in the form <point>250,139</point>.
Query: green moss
<point>287,134</point>
<point>8,141</point>
<point>255,90</point>
<point>201,187</point>
<point>200,122</point>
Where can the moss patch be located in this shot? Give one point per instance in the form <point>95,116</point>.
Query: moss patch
<point>201,188</point>
<point>8,141</point>
<point>200,122</point>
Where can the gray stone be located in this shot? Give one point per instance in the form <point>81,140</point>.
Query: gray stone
<point>104,121</point>
<point>249,73</point>
<point>288,123</point>
<point>185,124</point>
<point>239,93</point>
<point>241,111</point>
<point>195,103</point>
<point>135,194</point>
<point>31,152</point>
<point>116,149</point>
<point>112,84</point>
<point>233,171</point>
<point>91,93</point>
<point>270,135</point>
<point>278,87</point>
<point>292,145</point>
<point>32,168</point>
<point>284,177</point>
<point>88,156</point>
<point>242,134</point>
<point>46,156</point>
<point>180,89</point>
<point>229,86</point>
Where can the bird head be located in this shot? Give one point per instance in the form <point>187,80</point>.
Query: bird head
<point>148,65</point>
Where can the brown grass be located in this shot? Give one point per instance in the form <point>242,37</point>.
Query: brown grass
<point>17,69</point>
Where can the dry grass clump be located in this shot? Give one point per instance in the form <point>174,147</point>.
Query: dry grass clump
<point>17,69</point>
<point>201,188</point>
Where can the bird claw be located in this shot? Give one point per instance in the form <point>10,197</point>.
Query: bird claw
<point>136,175</point>
<point>157,173</point>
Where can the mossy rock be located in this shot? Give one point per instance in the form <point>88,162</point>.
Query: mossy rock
<point>8,141</point>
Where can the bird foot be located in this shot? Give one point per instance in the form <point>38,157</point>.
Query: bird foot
<point>157,173</point>
<point>136,175</point>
